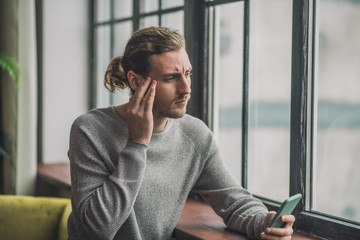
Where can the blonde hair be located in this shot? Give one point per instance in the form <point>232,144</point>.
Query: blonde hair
<point>142,44</point>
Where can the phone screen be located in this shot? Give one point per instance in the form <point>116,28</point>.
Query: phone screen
<point>286,208</point>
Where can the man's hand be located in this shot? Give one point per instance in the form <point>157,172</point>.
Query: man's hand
<point>139,112</point>
<point>278,233</point>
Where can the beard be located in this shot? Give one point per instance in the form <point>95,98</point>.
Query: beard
<point>170,110</point>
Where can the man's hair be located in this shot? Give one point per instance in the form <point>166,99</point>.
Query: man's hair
<point>142,44</point>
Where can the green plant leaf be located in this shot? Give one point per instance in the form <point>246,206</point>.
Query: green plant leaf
<point>11,66</point>
<point>5,149</point>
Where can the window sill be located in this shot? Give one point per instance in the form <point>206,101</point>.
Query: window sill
<point>197,221</point>
<point>53,180</point>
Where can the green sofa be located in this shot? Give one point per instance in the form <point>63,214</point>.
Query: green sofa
<point>33,218</point>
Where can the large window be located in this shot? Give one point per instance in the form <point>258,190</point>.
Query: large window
<point>336,156</point>
<point>277,81</point>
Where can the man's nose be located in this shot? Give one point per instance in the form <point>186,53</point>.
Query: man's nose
<point>184,85</point>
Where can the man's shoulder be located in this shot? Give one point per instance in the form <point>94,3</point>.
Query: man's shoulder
<point>93,117</point>
<point>193,127</point>
<point>191,122</point>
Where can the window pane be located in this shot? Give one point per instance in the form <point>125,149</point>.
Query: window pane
<point>149,6</point>
<point>336,164</point>
<point>102,10</point>
<point>228,62</point>
<point>173,20</point>
<point>123,8</point>
<point>123,32</point>
<point>102,60</point>
<point>152,21</point>
<point>171,3</point>
<point>269,98</point>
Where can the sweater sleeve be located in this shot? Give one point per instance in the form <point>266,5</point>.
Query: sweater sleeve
<point>234,204</point>
<point>103,194</point>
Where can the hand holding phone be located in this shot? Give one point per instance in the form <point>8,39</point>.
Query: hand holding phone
<point>286,208</point>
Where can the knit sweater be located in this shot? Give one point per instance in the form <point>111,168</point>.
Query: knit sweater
<point>127,190</point>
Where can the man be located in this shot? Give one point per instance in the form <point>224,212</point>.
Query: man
<point>133,165</point>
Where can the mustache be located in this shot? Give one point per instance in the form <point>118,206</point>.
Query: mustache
<point>183,97</point>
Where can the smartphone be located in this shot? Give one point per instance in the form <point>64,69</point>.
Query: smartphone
<point>286,208</point>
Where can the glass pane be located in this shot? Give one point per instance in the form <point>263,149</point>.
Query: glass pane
<point>269,98</point>
<point>102,10</point>
<point>152,21</point>
<point>102,60</point>
<point>336,164</point>
<point>228,62</point>
<point>149,6</point>
<point>123,32</point>
<point>171,3</point>
<point>174,21</point>
<point>123,8</point>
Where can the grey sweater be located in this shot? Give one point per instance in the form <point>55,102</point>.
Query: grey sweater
<point>127,190</point>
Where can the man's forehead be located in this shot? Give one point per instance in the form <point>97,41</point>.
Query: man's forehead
<point>170,61</point>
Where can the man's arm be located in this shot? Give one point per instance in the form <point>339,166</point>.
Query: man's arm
<point>238,208</point>
<point>103,195</point>
<point>234,204</point>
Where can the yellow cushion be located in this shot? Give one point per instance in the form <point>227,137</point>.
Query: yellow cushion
<point>63,233</point>
<point>30,217</point>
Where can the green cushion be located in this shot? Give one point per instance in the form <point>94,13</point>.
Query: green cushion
<point>30,217</point>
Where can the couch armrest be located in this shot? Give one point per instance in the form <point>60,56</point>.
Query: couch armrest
<point>24,217</point>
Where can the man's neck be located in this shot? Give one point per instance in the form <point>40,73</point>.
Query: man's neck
<point>159,123</point>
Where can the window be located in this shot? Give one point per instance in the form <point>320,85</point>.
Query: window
<point>337,111</point>
<point>278,83</point>
<point>227,44</point>
<point>269,98</point>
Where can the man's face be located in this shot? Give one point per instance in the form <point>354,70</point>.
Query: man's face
<point>172,71</point>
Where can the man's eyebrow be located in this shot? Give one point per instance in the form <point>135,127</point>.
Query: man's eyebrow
<point>171,74</point>
<point>175,73</point>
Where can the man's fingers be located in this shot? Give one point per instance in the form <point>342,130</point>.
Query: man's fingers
<point>141,91</point>
<point>272,237</point>
<point>288,219</point>
<point>288,231</point>
<point>279,233</point>
<point>268,218</point>
<point>148,100</point>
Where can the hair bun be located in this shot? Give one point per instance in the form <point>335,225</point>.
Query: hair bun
<point>115,75</point>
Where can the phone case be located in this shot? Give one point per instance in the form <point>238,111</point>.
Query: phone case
<point>286,208</point>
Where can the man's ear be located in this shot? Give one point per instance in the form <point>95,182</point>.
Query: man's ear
<point>134,80</point>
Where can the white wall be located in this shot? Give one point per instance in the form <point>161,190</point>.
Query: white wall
<point>65,73</point>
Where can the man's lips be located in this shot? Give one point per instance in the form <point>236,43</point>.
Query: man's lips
<point>182,100</point>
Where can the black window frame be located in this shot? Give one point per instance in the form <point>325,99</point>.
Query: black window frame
<point>196,33</point>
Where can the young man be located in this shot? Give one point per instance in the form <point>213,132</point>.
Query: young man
<point>133,165</point>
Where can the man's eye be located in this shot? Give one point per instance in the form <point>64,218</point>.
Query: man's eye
<point>187,75</point>
<point>170,78</point>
